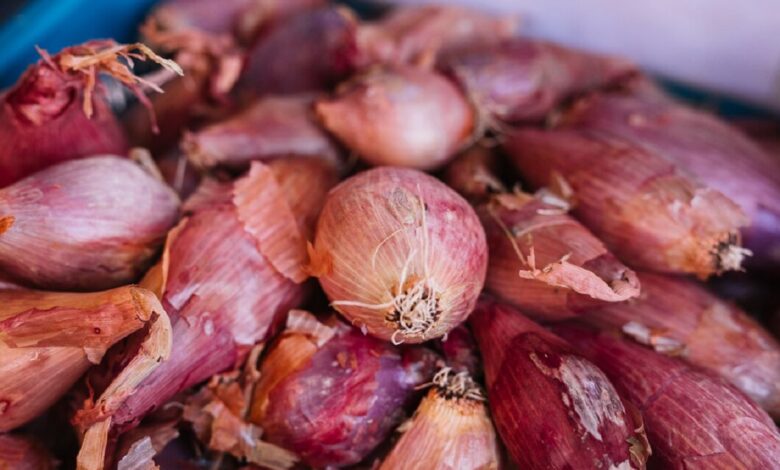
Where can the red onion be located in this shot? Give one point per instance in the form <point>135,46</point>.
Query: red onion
<point>693,418</point>
<point>474,174</point>
<point>400,116</point>
<point>331,394</point>
<point>399,254</point>
<point>523,79</point>
<point>310,51</point>
<point>460,352</point>
<point>49,339</point>
<point>645,209</point>
<point>552,407</point>
<point>57,112</point>
<point>450,429</point>
<point>713,152</point>
<point>272,127</point>
<point>22,452</point>
<point>85,224</point>
<point>681,318</point>
<point>225,243</point>
<point>417,34</point>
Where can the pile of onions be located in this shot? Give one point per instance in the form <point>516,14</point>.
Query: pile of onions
<point>85,224</point>
<point>58,111</point>
<point>416,258</point>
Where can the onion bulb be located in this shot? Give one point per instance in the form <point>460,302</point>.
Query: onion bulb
<point>23,452</point>
<point>400,116</point>
<point>399,254</point>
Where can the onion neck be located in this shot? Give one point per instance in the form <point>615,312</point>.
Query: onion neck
<point>41,95</point>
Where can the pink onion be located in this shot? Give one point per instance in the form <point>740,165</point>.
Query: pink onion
<point>400,116</point>
<point>552,407</point>
<point>86,224</point>
<point>647,210</point>
<point>679,317</point>
<point>710,150</point>
<point>692,418</point>
<point>524,79</point>
<point>310,51</point>
<point>399,254</point>
<point>271,127</point>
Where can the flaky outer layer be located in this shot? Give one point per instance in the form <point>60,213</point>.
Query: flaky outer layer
<point>546,263</point>
<point>272,127</point>
<point>693,418</point>
<point>85,224</point>
<point>524,79</point>
<point>396,241</point>
<point>447,433</point>
<point>552,407</point>
<point>401,116</point>
<point>681,318</point>
<point>49,339</point>
<point>713,152</point>
<point>645,209</point>
<point>333,402</point>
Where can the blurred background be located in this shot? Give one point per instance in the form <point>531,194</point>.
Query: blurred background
<point>722,54</point>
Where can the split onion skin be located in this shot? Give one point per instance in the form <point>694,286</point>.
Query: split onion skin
<point>552,407</point>
<point>681,318</point>
<point>648,212</point>
<point>398,235</point>
<point>400,116</point>
<point>692,417</point>
<point>86,224</point>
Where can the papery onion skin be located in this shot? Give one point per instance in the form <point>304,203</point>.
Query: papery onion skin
<point>311,51</point>
<point>49,339</point>
<point>271,127</point>
<point>645,209</point>
<point>447,431</point>
<point>474,174</point>
<point>332,404</point>
<point>713,152</point>
<point>523,79</point>
<point>418,34</point>
<point>215,327</point>
<point>42,122</point>
<point>681,318</point>
<point>401,116</point>
<point>692,417</point>
<point>22,452</point>
<point>551,406</point>
<point>86,224</point>
<point>399,235</point>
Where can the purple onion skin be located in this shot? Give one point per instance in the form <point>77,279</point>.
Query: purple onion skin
<point>213,326</point>
<point>693,419</point>
<point>335,415</point>
<point>717,154</point>
<point>552,408</point>
<point>311,51</point>
<point>86,224</point>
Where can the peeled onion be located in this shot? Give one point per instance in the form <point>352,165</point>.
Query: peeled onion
<point>399,254</point>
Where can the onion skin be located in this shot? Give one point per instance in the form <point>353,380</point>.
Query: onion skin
<point>85,224</point>
<point>552,407</point>
<point>272,127</point>
<point>447,431</point>
<point>400,116</point>
<point>393,226</point>
<point>645,209</point>
<point>692,418</point>
<point>334,402</point>
<point>474,174</point>
<point>460,352</point>
<point>42,122</point>
<point>323,41</point>
<point>49,339</point>
<point>179,173</point>
<point>418,34</point>
<point>21,452</point>
<point>713,152</point>
<point>681,318</point>
<point>522,79</point>
<point>217,246</point>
